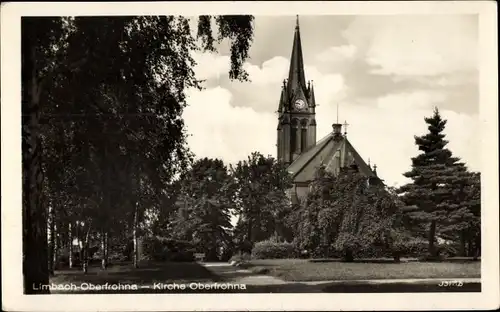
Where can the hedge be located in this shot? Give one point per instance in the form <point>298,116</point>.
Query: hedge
<point>273,250</point>
<point>164,249</point>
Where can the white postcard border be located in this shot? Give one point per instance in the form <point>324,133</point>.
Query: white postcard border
<point>12,296</point>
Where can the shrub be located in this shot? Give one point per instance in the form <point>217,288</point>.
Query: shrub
<point>404,244</point>
<point>372,252</point>
<point>273,250</point>
<point>117,257</point>
<point>259,270</point>
<point>164,249</point>
<point>182,256</point>
<point>240,257</point>
<point>447,250</point>
<point>244,247</point>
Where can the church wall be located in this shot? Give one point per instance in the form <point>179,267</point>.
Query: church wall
<point>311,140</point>
<point>301,191</point>
<point>285,152</point>
<point>278,143</point>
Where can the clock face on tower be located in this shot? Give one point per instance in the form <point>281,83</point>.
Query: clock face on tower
<point>300,104</point>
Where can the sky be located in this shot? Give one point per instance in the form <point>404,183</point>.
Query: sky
<point>385,73</point>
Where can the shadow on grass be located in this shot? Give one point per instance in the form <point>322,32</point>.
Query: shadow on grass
<point>148,272</point>
<point>230,273</point>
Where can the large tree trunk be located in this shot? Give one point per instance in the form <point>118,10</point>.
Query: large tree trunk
<point>104,262</point>
<point>79,237</point>
<point>348,256</point>
<point>52,241</point>
<point>107,249</point>
<point>35,249</point>
<point>463,251</point>
<point>250,232</point>
<point>469,247</point>
<point>477,252</point>
<point>432,236</point>
<point>70,247</point>
<point>396,255</point>
<point>55,251</point>
<point>85,258</point>
<point>135,239</point>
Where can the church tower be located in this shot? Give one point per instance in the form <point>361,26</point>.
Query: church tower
<point>296,110</point>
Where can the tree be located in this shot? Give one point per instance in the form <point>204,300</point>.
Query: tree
<point>89,76</point>
<point>261,198</point>
<point>312,230</point>
<point>463,223</point>
<point>473,232</point>
<point>435,197</point>
<point>345,214</point>
<point>204,217</point>
<point>36,40</point>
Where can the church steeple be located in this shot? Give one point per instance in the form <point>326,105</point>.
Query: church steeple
<point>296,129</point>
<point>296,76</point>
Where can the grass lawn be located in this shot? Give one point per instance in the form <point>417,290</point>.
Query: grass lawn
<point>304,270</point>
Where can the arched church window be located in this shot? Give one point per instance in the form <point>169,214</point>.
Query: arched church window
<point>293,135</point>
<point>303,134</point>
<point>303,139</point>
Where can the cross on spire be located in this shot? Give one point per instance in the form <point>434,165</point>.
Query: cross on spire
<point>345,127</point>
<point>297,21</point>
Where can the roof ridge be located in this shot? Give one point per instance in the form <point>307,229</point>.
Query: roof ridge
<point>321,145</point>
<point>358,159</point>
<point>307,150</point>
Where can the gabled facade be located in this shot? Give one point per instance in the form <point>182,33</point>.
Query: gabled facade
<point>296,144</point>
<point>334,152</point>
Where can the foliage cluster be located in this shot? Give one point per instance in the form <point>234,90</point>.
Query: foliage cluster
<point>165,249</point>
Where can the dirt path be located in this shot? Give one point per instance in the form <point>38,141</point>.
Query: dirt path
<point>258,283</point>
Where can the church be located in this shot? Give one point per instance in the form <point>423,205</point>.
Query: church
<point>296,132</point>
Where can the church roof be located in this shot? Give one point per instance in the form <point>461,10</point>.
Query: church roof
<point>333,151</point>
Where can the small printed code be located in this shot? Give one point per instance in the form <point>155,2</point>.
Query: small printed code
<point>451,284</point>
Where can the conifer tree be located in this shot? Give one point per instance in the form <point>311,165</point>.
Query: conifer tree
<point>464,221</point>
<point>435,197</point>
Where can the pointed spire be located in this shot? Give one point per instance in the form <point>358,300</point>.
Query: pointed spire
<point>280,106</point>
<point>312,98</point>
<point>296,76</point>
